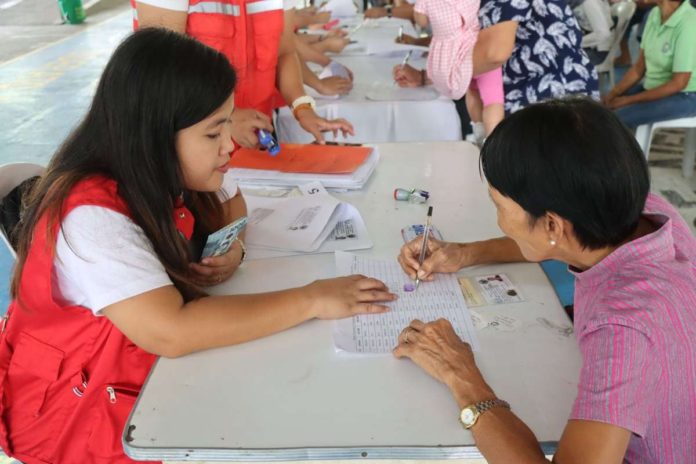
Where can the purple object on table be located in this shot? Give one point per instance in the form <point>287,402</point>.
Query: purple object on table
<point>409,287</point>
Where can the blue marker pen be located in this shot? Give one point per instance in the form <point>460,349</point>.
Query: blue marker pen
<point>268,142</point>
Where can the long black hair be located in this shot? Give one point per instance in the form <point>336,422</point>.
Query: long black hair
<point>575,158</point>
<point>156,83</point>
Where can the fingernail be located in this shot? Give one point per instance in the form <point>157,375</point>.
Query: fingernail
<point>206,261</point>
<point>421,274</point>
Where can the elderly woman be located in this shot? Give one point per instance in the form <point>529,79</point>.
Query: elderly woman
<point>667,63</point>
<point>570,183</point>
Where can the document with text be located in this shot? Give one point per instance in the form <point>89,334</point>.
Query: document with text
<point>378,333</point>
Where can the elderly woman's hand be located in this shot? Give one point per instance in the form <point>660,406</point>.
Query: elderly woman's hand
<point>440,257</point>
<point>437,349</point>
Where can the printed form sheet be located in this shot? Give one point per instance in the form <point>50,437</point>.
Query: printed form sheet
<point>378,333</point>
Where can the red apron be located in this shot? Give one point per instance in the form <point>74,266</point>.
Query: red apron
<point>248,34</point>
<point>68,379</point>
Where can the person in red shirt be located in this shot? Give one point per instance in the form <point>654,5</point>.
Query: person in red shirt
<point>258,39</point>
<point>108,275</point>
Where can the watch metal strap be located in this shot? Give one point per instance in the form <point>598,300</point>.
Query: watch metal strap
<point>483,406</point>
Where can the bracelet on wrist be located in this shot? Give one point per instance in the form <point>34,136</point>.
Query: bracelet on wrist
<point>298,108</point>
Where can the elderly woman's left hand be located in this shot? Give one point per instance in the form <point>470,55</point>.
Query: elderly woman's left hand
<point>437,349</point>
<point>216,269</point>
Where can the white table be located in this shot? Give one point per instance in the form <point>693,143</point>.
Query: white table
<point>379,121</point>
<point>292,397</point>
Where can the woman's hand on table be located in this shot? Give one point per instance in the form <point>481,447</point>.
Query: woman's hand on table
<point>348,296</point>
<point>334,85</point>
<point>315,125</point>
<point>214,270</point>
<point>245,123</point>
<point>437,349</point>
<point>440,257</point>
<point>407,76</point>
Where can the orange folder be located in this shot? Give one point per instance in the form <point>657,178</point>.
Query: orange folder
<point>314,159</point>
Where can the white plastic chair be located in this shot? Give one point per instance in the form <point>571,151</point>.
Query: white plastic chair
<point>645,132</point>
<point>622,12</point>
<point>13,174</point>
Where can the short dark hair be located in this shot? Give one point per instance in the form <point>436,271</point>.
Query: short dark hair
<point>575,158</point>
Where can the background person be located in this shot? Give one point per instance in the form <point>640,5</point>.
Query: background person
<point>258,40</point>
<point>661,85</point>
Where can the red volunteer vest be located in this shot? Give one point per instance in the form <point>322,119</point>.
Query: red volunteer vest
<point>68,379</point>
<point>248,34</point>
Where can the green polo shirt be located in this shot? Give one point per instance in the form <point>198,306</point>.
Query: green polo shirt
<point>670,47</point>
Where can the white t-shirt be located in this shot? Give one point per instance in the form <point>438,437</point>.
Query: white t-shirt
<point>182,5</point>
<point>107,258</point>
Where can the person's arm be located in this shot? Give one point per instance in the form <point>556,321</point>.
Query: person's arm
<point>304,20</point>
<point>499,434</point>
<point>634,74</point>
<point>401,11</point>
<point>600,31</point>
<point>152,16</point>
<point>494,46</point>
<point>309,53</point>
<point>683,63</point>
<point>160,322</point>
<point>451,257</point>
<point>676,84</point>
<point>289,82</point>
<point>333,85</point>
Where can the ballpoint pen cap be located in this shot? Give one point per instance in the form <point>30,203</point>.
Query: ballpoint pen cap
<point>430,211</point>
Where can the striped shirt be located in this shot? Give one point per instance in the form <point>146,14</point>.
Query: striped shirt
<point>635,320</point>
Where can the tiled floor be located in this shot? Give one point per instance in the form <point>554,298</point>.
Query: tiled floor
<point>45,93</point>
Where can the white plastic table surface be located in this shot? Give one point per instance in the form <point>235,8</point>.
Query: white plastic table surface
<point>292,397</point>
<point>379,121</point>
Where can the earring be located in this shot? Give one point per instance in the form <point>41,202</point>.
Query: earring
<point>553,243</point>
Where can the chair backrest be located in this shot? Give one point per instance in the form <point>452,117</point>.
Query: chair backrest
<point>622,12</point>
<point>13,174</point>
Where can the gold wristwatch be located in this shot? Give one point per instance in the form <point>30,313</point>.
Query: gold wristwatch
<point>471,413</point>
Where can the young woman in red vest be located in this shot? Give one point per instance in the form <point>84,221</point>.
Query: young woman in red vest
<point>257,36</point>
<point>104,280</point>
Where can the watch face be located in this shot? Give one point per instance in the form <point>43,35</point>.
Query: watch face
<point>468,416</point>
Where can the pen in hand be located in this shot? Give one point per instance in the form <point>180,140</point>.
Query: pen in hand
<point>405,61</point>
<point>424,245</point>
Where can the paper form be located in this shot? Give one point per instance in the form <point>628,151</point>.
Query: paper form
<point>387,91</point>
<point>318,159</point>
<point>379,333</point>
<point>293,223</point>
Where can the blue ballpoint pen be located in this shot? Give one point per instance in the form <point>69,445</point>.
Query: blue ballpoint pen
<point>424,245</point>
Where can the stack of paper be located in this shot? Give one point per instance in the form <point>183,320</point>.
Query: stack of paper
<point>315,222</point>
<point>336,167</point>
